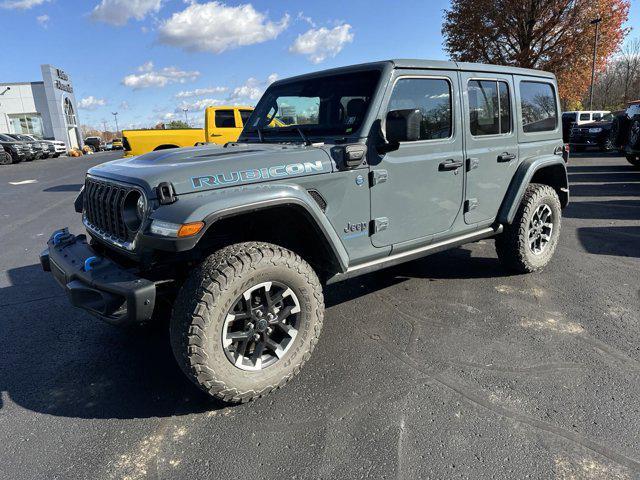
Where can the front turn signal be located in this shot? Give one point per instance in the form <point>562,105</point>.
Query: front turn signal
<point>190,229</point>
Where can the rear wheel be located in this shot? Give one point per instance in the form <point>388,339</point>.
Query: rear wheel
<point>246,320</point>
<point>5,158</point>
<point>528,244</point>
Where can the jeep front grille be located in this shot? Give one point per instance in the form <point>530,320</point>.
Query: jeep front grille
<point>103,202</point>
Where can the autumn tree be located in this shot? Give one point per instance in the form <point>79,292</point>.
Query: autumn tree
<point>553,35</point>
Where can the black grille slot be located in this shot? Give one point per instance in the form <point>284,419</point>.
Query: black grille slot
<point>318,198</point>
<point>103,202</point>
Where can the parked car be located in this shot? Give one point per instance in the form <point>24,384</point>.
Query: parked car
<point>370,166</point>
<point>579,117</point>
<point>108,146</point>
<point>96,143</point>
<point>117,144</point>
<point>625,132</point>
<point>38,150</point>
<point>222,124</point>
<point>13,151</point>
<point>594,134</point>
<point>55,147</point>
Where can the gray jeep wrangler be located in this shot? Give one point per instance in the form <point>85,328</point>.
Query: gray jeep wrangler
<point>336,174</point>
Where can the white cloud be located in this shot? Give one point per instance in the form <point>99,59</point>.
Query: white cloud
<point>253,88</point>
<point>215,27</point>
<point>149,77</point>
<point>118,12</point>
<point>198,105</point>
<point>124,105</point>
<point>21,4</point>
<point>320,43</point>
<point>198,92</point>
<point>91,103</point>
<point>43,20</point>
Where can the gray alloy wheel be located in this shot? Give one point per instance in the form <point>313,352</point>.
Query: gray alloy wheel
<point>5,158</point>
<point>540,229</point>
<point>261,326</point>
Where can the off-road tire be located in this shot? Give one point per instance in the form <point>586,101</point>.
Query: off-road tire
<point>512,245</point>
<point>204,301</point>
<point>5,158</point>
<point>634,134</point>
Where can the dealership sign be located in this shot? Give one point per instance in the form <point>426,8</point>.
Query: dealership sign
<point>60,81</point>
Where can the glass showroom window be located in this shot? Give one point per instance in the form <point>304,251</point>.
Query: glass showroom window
<point>30,124</point>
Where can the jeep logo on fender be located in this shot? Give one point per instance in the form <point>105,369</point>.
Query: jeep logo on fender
<point>254,174</point>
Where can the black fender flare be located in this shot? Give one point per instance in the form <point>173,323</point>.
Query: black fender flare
<point>524,175</point>
<point>214,205</point>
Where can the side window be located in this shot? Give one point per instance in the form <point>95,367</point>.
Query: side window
<point>489,107</point>
<point>597,117</point>
<point>432,96</point>
<point>505,107</point>
<point>245,114</point>
<point>585,117</point>
<point>225,119</point>
<point>539,108</point>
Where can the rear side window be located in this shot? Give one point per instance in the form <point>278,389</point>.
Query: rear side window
<point>225,119</point>
<point>432,96</point>
<point>245,114</point>
<point>585,116</point>
<point>539,108</point>
<point>489,107</point>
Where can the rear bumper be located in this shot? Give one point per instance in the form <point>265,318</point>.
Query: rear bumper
<point>97,284</point>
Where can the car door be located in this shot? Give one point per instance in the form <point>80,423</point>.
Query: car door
<point>490,142</point>
<point>227,126</point>
<point>417,189</point>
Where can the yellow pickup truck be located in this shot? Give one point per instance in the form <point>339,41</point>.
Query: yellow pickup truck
<point>222,124</point>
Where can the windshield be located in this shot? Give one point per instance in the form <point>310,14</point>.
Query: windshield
<point>328,106</point>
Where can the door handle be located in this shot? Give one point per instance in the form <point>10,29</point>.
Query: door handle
<point>506,157</point>
<point>450,164</point>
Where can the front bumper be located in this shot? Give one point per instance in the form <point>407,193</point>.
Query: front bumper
<point>96,284</point>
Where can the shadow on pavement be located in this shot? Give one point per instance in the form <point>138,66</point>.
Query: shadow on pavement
<point>73,187</point>
<point>604,209</point>
<point>61,361</point>
<point>617,241</point>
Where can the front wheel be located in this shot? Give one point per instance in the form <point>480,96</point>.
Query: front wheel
<point>246,320</point>
<point>528,244</point>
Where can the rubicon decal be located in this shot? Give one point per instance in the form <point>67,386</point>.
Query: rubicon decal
<point>241,176</point>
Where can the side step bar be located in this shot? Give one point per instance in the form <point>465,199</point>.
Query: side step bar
<point>398,258</point>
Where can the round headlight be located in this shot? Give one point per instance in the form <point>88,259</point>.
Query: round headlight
<point>141,206</point>
<point>133,209</point>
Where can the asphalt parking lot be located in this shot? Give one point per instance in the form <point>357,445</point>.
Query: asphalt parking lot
<point>447,367</point>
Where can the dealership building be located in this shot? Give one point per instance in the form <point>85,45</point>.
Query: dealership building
<point>45,108</point>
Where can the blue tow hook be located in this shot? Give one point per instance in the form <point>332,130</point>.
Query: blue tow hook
<point>58,236</point>
<point>88,263</point>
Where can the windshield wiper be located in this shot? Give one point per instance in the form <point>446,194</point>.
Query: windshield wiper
<point>304,137</point>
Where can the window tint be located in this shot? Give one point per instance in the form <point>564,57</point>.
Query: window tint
<point>432,96</point>
<point>225,119</point>
<point>539,108</point>
<point>585,116</point>
<point>245,114</point>
<point>569,116</point>
<point>489,107</point>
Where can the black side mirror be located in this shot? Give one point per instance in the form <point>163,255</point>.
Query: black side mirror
<point>403,125</point>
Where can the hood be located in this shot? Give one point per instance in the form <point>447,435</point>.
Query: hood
<point>212,167</point>
<point>603,125</point>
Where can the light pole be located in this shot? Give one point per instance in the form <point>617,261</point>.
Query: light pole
<point>185,110</point>
<point>596,22</point>
<point>115,115</point>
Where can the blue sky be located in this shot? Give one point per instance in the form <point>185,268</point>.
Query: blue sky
<point>147,59</point>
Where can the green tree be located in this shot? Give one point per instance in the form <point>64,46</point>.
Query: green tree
<point>175,124</point>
